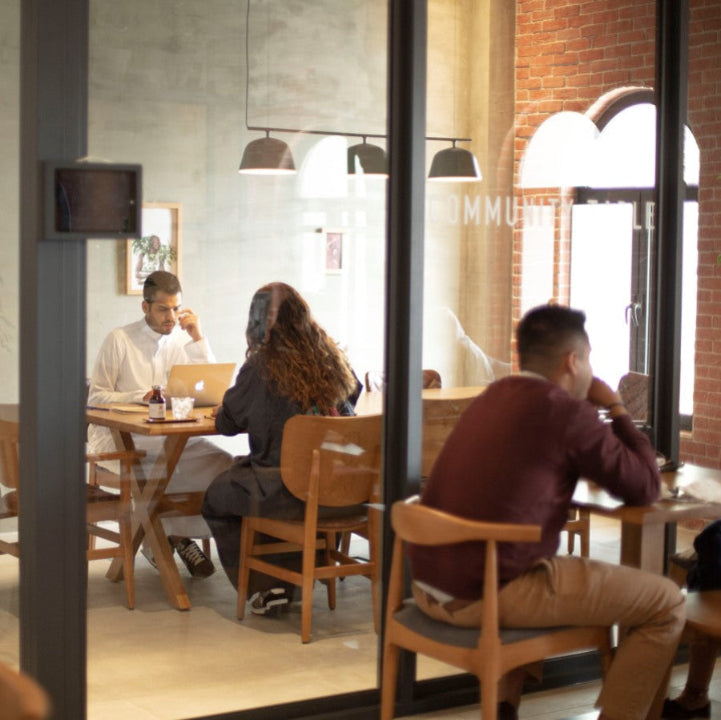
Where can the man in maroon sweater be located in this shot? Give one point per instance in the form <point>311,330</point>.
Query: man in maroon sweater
<point>515,456</point>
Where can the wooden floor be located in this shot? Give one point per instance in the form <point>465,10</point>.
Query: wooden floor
<point>156,663</point>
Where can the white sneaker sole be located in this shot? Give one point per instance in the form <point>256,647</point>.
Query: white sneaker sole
<point>274,600</point>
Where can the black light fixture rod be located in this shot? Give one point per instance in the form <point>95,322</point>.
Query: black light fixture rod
<point>346,134</point>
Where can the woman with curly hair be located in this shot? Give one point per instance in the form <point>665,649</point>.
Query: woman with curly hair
<point>291,367</point>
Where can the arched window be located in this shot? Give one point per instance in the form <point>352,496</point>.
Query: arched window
<point>606,170</point>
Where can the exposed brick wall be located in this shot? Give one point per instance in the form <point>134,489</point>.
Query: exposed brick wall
<point>704,446</point>
<point>579,56</point>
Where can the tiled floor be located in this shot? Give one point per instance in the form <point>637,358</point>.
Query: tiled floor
<point>155,663</point>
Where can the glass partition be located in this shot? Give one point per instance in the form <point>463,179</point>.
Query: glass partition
<point>184,93</point>
<point>184,90</point>
<point>9,317</point>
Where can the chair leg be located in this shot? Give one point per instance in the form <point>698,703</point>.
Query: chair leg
<point>126,542</point>
<point>489,698</point>
<point>345,547</point>
<point>330,542</point>
<point>586,533</point>
<point>389,680</point>
<point>247,537</point>
<point>571,541</point>
<point>307,591</point>
<point>206,547</point>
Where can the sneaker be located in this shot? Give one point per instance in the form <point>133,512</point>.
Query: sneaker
<point>198,563</point>
<point>269,602</point>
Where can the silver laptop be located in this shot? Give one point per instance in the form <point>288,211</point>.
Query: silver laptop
<point>206,382</point>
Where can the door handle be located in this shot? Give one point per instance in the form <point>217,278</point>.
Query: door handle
<point>631,313</point>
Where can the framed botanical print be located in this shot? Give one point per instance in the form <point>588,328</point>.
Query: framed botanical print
<point>158,248</point>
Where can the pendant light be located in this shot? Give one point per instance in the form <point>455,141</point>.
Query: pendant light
<point>271,156</point>
<point>367,159</point>
<point>264,156</point>
<point>267,156</point>
<point>455,165</point>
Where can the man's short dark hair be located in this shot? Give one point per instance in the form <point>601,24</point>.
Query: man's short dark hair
<point>162,281</point>
<point>547,331</point>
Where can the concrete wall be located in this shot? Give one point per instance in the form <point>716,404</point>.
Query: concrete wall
<point>167,90</point>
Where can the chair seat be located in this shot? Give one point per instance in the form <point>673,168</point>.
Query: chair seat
<point>416,620</point>
<point>348,523</point>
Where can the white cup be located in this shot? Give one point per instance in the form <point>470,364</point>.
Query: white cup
<point>181,407</point>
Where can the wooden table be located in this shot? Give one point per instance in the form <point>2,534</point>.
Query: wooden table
<point>643,528</point>
<point>147,491</point>
<point>371,403</point>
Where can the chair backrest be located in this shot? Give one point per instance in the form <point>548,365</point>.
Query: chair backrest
<point>633,389</point>
<point>375,380</point>
<point>344,452</point>
<point>9,463</point>
<point>423,525</point>
<point>440,416</point>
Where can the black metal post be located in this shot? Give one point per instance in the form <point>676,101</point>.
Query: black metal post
<point>53,568</point>
<point>404,268</point>
<point>671,111</point>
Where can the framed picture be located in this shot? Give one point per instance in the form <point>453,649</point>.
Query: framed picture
<point>333,252</point>
<point>159,247</point>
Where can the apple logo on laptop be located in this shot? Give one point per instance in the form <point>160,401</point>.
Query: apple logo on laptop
<point>200,386</point>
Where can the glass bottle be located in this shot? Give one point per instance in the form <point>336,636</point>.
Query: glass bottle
<point>156,404</point>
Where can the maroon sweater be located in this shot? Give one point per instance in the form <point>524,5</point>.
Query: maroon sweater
<point>515,456</point>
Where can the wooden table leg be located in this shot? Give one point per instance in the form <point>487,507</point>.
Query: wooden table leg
<point>146,523</point>
<point>642,546</point>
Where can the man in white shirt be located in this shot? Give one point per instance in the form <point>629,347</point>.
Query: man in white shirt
<point>131,360</point>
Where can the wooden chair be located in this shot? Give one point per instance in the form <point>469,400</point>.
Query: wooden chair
<point>633,388</point>
<point>578,524</point>
<point>488,652</point>
<point>440,416</point>
<point>375,380</point>
<point>21,697</point>
<point>327,462</point>
<point>102,506</point>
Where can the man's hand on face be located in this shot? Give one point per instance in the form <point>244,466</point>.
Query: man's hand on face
<point>189,322</point>
<point>603,396</point>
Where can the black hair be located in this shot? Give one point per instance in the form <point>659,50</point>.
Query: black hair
<point>160,280</point>
<point>547,331</point>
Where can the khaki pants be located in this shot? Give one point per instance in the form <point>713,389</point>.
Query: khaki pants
<point>577,591</point>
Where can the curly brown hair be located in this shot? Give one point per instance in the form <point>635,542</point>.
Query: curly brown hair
<point>294,352</point>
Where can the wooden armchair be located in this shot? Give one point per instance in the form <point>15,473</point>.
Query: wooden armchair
<point>102,505</point>
<point>21,698</point>
<point>328,463</point>
<point>488,652</point>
